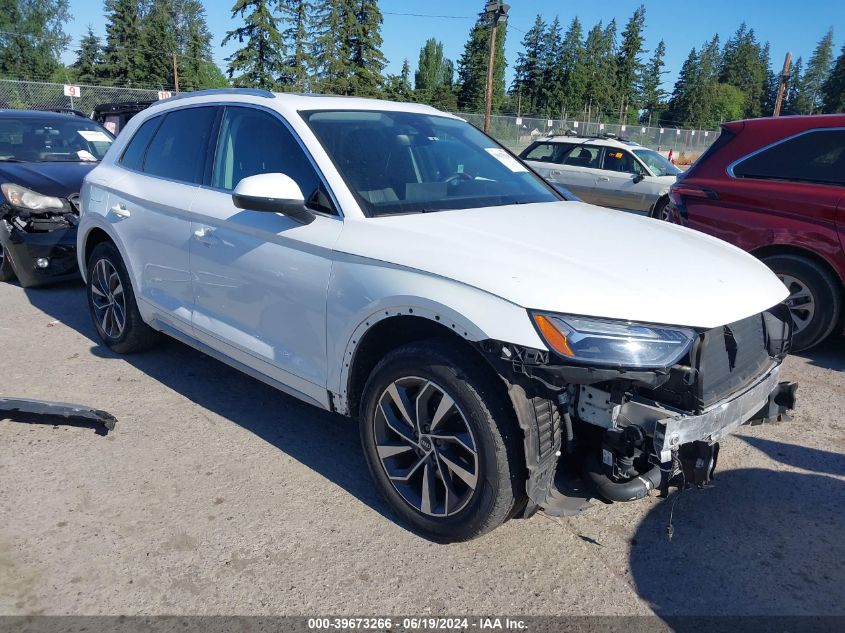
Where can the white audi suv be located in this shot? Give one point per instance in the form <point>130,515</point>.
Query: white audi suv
<point>391,263</point>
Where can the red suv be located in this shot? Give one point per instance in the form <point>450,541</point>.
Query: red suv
<point>776,188</point>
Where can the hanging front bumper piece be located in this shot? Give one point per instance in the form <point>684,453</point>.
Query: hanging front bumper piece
<point>47,412</point>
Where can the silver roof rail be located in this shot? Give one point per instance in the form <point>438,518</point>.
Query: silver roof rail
<point>254,92</point>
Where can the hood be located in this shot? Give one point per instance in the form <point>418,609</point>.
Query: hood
<point>576,258</point>
<point>51,179</point>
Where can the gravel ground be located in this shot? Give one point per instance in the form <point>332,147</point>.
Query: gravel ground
<point>218,495</point>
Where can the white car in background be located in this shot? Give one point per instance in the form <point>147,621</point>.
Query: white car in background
<point>606,171</point>
<point>390,262</point>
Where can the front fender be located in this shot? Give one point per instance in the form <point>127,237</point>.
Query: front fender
<point>364,292</point>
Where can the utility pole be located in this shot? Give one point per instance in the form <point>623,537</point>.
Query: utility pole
<point>175,72</point>
<point>495,12</point>
<point>784,80</point>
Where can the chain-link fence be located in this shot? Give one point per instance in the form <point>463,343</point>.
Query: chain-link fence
<point>51,96</point>
<point>517,133</point>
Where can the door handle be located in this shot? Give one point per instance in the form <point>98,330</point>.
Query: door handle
<point>205,234</point>
<point>603,179</point>
<point>120,211</point>
<point>554,172</point>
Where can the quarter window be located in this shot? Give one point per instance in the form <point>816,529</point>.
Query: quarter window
<point>180,144</point>
<point>548,152</point>
<point>253,142</point>
<point>816,157</point>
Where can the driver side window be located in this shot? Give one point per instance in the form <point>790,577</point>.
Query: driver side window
<point>620,161</point>
<point>254,142</point>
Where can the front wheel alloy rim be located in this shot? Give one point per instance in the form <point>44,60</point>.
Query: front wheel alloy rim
<point>426,447</point>
<point>108,298</point>
<point>801,301</point>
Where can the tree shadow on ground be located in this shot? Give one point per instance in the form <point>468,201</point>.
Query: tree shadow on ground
<point>325,442</point>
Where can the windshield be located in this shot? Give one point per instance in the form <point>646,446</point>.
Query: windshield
<point>656,163</point>
<point>401,162</point>
<point>34,139</point>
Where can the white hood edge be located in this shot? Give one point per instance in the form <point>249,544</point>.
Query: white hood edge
<point>575,258</point>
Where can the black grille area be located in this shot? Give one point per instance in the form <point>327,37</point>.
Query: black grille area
<point>728,358</point>
<point>74,201</point>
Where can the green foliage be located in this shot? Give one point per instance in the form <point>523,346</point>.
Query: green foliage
<point>810,92</point>
<point>197,69</point>
<point>728,102</point>
<point>573,68</point>
<point>834,87</point>
<point>745,65</point>
<point>157,46</point>
<point>529,79</point>
<point>629,65</point>
<point>398,87</point>
<point>262,58</point>
<point>366,61</point>
<point>433,70</point>
<point>122,60</point>
<point>652,96</point>
<point>298,15</point>
<point>32,37</point>
<point>472,68</point>
<point>89,58</point>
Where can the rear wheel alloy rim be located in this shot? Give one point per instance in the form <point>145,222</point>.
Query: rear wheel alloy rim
<point>108,298</point>
<point>801,301</point>
<point>426,447</point>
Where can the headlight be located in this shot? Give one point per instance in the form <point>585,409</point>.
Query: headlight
<point>614,343</point>
<point>24,198</point>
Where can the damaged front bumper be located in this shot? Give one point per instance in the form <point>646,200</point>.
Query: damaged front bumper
<point>622,433</point>
<point>54,250</point>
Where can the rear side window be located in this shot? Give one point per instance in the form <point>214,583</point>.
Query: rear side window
<point>815,157</point>
<point>584,156</point>
<point>133,155</point>
<point>548,152</point>
<point>617,160</point>
<point>180,144</point>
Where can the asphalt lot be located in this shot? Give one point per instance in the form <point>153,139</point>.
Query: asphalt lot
<point>218,495</point>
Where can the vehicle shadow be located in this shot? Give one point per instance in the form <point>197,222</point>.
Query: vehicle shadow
<point>829,355</point>
<point>295,428</point>
<point>759,542</point>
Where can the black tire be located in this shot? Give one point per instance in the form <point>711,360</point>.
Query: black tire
<point>826,295</point>
<point>7,272</point>
<point>482,402</point>
<point>135,335</point>
<point>659,209</point>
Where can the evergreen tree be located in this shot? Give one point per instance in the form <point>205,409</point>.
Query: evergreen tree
<point>366,61</point>
<point>434,71</point>
<point>743,67</point>
<point>629,66</point>
<point>796,77</point>
<point>158,43</point>
<point>552,93</point>
<point>682,102</point>
<point>472,68</point>
<point>398,87</point>
<point>572,62</point>
<point>123,33</point>
<point>261,60</point>
<point>833,91</point>
<point>600,69</point>
<point>528,72</point>
<point>32,37</point>
<point>197,69</point>
<point>810,91</point>
<point>89,58</point>
<point>652,95</point>
<point>330,47</point>
<point>298,14</point>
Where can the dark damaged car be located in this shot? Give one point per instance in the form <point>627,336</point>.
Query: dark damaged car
<point>44,156</point>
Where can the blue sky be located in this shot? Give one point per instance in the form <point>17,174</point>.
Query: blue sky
<point>787,25</point>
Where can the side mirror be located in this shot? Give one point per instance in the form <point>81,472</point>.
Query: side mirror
<point>638,178</point>
<point>274,193</point>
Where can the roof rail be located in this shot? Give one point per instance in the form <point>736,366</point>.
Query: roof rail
<point>255,92</point>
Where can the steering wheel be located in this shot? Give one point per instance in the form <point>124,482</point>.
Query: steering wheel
<point>458,177</point>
